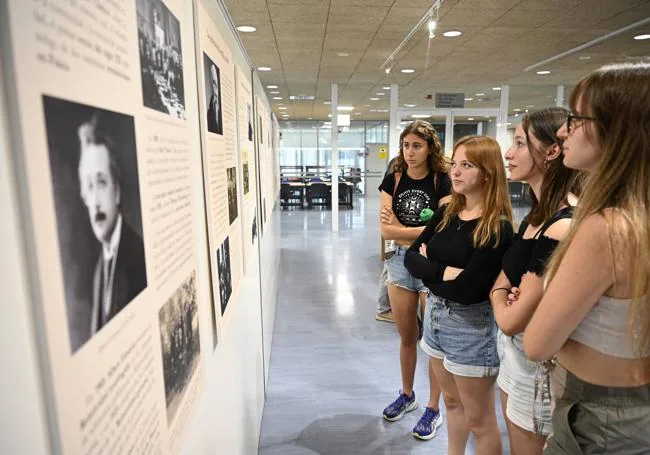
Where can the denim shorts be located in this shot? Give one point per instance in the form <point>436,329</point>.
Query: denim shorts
<point>529,401</point>
<point>399,276</point>
<point>463,336</point>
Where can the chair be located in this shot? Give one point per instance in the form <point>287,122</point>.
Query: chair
<point>345,194</point>
<point>290,196</point>
<point>319,194</point>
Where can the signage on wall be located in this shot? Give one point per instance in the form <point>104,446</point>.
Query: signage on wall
<point>450,100</point>
<point>383,152</point>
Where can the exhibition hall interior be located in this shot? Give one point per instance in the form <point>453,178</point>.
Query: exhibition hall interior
<point>225,225</point>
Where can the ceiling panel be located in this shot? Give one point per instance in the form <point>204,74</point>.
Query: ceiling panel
<point>301,40</point>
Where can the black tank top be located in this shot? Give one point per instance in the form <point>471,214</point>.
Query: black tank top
<point>531,255</point>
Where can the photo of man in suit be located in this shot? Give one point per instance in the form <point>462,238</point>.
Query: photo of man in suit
<point>119,272</point>
<point>213,88</point>
<point>93,162</point>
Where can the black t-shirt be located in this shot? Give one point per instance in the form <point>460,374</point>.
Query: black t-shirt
<point>454,247</point>
<point>411,196</point>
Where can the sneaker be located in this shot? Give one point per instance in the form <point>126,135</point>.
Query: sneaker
<point>385,316</point>
<point>398,408</point>
<point>428,424</point>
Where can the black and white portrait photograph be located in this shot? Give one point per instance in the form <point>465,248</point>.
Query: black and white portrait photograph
<point>161,58</point>
<point>232,194</point>
<point>179,340</point>
<point>94,170</point>
<point>212,77</point>
<point>225,279</point>
<point>250,122</point>
<point>246,178</point>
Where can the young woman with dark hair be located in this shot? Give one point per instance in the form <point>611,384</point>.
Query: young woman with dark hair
<point>419,181</point>
<point>535,157</point>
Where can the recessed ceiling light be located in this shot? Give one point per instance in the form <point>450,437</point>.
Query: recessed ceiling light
<point>407,70</point>
<point>496,89</point>
<point>327,102</point>
<point>543,72</point>
<point>480,94</point>
<point>346,108</point>
<point>282,108</point>
<point>366,105</point>
<point>271,86</point>
<point>530,105</point>
<point>374,99</point>
<point>410,105</point>
<point>470,118</point>
<point>246,28</point>
<point>263,68</point>
<point>585,57</point>
<point>642,37</point>
<point>357,113</point>
<point>329,115</point>
<point>386,88</point>
<point>380,93</point>
<point>342,54</point>
<point>274,93</point>
<point>420,116</point>
<point>277,97</point>
<point>452,33</point>
<point>517,110</point>
<point>469,99</point>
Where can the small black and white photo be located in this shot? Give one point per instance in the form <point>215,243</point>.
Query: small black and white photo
<point>246,178</point>
<point>232,194</point>
<point>254,228</point>
<point>161,58</point>
<point>225,278</point>
<point>250,122</point>
<point>178,319</point>
<point>94,170</point>
<point>212,78</point>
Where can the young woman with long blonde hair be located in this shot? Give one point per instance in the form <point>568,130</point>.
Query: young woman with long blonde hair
<point>458,256</point>
<point>595,312</point>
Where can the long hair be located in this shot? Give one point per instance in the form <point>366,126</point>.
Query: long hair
<point>426,132</point>
<point>558,179</point>
<point>485,153</point>
<point>618,96</point>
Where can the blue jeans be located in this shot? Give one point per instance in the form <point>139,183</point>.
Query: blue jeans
<point>399,276</point>
<point>464,337</point>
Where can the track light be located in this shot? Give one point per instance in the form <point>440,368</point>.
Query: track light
<point>431,26</point>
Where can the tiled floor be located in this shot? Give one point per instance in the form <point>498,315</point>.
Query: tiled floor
<point>333,367</point>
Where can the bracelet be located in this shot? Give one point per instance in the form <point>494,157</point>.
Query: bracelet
<point>499,289</point>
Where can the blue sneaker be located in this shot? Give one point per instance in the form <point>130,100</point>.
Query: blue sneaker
<point>398,408</point>
<point>428,424</point>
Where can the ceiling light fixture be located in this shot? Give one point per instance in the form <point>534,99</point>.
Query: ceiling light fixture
<point>246,28</point>
<point>480,94</point>
<point>496,89</point>
<point>645,36</point>
<point>277,97</point>
<point>543,72</point>
<point>427,17</point>
<point>271,86</point>
<point>431,26</point>
<point>470,118</point>
<point>452,34</point>
<point>274,93</point>
<point>346,108</point>
<point>469,99</point>
<point>327,102</point>
<point>585,57</point>
<point>374,99</point>
<point>386,88</point>
<point>380,93</point>
<point>282,108</point>
<point>410,105</point>
<point>263,68</point>
<point>407,70</point>
<point>342,54</point>
<point>420,116</point>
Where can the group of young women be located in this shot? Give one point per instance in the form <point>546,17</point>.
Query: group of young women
<point>558,314</point>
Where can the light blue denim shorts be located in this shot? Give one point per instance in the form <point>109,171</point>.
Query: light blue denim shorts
<point>464,337</point>
<point>399,276</point>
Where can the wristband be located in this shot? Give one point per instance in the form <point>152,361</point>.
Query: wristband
<point>499,289</point>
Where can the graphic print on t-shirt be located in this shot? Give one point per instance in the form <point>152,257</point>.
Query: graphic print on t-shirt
<point>409,205</point>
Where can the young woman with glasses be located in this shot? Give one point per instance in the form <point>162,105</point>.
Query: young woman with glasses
<point>534,157</point>
<point>419,181</point>
<point>458,256</point>
<point>595,312</point>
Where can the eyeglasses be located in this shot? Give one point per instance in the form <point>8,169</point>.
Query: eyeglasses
<point>576,120</point>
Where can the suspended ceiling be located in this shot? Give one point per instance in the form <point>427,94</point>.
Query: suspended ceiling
<point>311,44</point>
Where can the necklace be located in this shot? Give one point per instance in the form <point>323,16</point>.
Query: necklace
<point>460,225</point>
